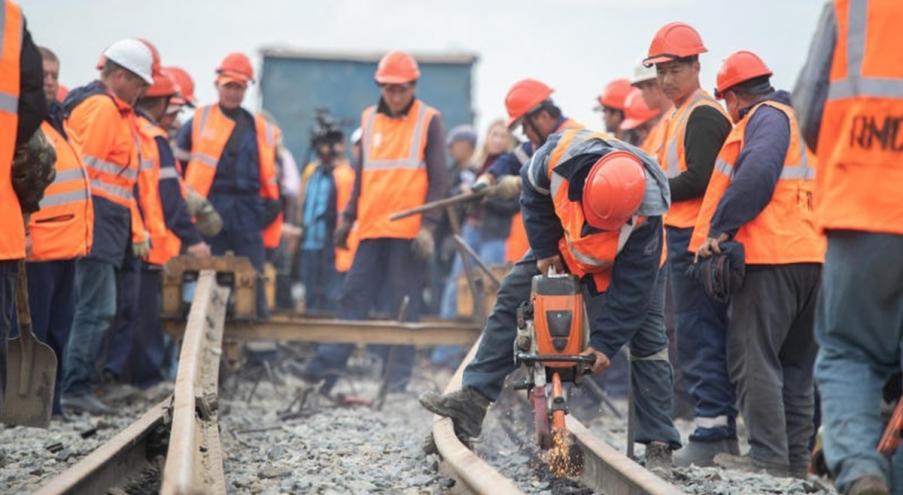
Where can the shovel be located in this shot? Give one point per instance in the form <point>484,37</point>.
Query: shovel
<point>30,369</point>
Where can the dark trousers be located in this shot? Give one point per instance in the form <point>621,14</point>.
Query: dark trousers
<point>95,307</point>
<point>384,271</point>
<point>8,273</point>
<point>701,335</point>
<point>770,355</point>
<point>51,301</point>
<point>122,333</point>
<point>319,277</point>
<point>145,367</point>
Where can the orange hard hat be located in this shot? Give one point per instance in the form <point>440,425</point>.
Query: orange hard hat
<point>615,94</point>
<point>155,64</point>
<point>186,85</point>
<point>61,92</point>
<point>636,112</point>
<point>739,67</point>
<point>236,67</point>
<point>674,40</point>
<point>613,191</point>
<point>397,67</point>
<point>164,85</point>
<point>523,97</point>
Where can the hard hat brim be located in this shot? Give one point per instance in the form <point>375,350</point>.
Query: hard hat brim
<point>659,59</point>
<point>393,80</point>
<point>230,78</point>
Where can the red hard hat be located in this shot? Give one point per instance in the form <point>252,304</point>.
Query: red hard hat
<point>397,67</point>
<point>674,40</point>
<point>739,67</point>
<point>185,83</point>
<point>164,85</point>
<point>523,97</point>
<point>613,190</point>
<point>615,94</point>
<point>236,67</point>
<point>636,112</point>
<point>155,65</point>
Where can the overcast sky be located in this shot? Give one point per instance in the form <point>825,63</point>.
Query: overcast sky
<point>574,45</point>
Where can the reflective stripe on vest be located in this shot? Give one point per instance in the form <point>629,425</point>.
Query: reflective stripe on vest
<point>411,162</point>
<point>12,239</point>
<point>671,162</point>
<point>9,100</point>
<point>105,167</point>
<point>117,191</point>
<point>67,178</point>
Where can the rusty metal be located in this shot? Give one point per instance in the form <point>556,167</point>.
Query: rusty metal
<point>194,462</point>
<point>237,269</point>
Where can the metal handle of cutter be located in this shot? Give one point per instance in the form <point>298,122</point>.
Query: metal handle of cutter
<point>440,203</point>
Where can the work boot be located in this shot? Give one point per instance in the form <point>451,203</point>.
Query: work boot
<point>658,457</point>
<point>86,403</point>
<point>465,407</point>
<point>869,485</point>
<point>750,465</point>
<point>702,453</point>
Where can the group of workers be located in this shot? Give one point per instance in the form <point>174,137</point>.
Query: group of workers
<point>774,224</point>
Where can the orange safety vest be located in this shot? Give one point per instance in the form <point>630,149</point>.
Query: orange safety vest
<point>344,183</point>
<point>63,228</point>
<point>164,243</point>
<point>655,140</point>
<point>12,241</point>
<point>394,176</point>
<point>584,254</point>
<point>210,131</point>
<point>784,232</point>
<point>861,140</point>
<point>673,157</point>
<point>273,233</point>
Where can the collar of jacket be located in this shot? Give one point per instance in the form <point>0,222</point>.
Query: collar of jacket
<point>55,117</point>
<point>383,108</point>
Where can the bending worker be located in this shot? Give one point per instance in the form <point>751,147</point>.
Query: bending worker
<point>592,206</point>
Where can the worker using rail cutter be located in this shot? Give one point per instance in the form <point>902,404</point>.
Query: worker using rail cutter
<point>760,196</point>
<point>402,167</point>
<point>592,206</point>
<point>849,99</point>
<point>232,164</point>
<point>696,130</point>
<point>612,104</point>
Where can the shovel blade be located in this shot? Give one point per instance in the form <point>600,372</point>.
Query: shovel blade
<point>29,403</point>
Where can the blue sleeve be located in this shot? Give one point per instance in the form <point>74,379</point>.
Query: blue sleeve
<point>540,221</point>
<point>633,280</point>
<point>508,164</point>
<point>756,172</point>
<point>175,211</point>
<point>183,142</point>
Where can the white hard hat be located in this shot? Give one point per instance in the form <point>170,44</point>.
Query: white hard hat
<point>642,73</point>
<point>357,135</point>
<point>134,56</point>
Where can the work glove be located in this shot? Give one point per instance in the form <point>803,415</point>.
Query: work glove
<point>33,171</point>
<point>207,220</point>
<point>199,250</point>
<point>341,234</point>
<point>508,187</point>
<point>423,245</point>
<point>482,182</point>
<point>141,249</point>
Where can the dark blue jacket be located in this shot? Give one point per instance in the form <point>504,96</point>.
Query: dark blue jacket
<point>175,211</point>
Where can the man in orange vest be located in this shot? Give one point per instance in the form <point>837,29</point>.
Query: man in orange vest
<point>101,122</point>
<point>22,108</point>
<point>850,102</point>
<point>402,166</point>
<point>696,130</point>
<point>232,163</point>
<point>760,196</point>
<point>592,206</point>
<point>612,103</point>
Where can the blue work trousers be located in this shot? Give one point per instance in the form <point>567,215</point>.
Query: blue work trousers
<point>145,366</point>
<point>123,331</point>
<point>652,377</point>
<point>8,272</point>
<point>384,271</point>
<point>859,328</point>
<point>319,277</point>
<point>701,345</point>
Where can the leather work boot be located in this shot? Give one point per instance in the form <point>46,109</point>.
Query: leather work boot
<point>702,453</point>
<point>658,457</point>
<point>750,465</point>
<point>86,403</point>
<point>869,485</point>
<point>465,407</point>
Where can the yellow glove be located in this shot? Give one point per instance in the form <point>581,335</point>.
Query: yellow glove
<point>507,187</point>
<point>208,220</point>
<point>423,245</point>
<point>141,249</point>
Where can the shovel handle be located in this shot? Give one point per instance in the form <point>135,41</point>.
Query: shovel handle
<point>26,338</point>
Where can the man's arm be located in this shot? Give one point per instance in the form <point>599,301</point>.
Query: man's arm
<point>812,85</point>
<point>540,221</point>
<point>349,214</point>
<point>436,169</point>
<point>707,129</point>
<point>32,102</point>
<point>182,151</point>
<point>512,162</point>
<point>756,172</point>
<point>175,211</point>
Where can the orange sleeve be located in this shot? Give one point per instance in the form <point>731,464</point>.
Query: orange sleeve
<point>90,126</point>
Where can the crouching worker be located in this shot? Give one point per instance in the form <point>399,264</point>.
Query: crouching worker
<point>592,206</point>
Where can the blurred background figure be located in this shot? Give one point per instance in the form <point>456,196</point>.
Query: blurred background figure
<point>611,104</point>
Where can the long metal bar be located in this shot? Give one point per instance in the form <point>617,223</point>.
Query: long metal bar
<point>462,245</point>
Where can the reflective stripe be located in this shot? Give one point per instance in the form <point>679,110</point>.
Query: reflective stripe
<point>521,156</point>
<point>110,168</point>
<point>64,198</point>
<point>205,112</point>
<point>146,165</point>
<point>800,172</point>
<point>120,192</point>
<point>855,84</point>
<point>418,129</point>
<point>68,175</point>
<point>8,103</point>
<point>661,355</point>
<point>672,160</point>
<point>168,173</point>
<point>710,422</point>
<point>181,154</point>
<point>532,174</point>
<point>204,159</point>
<point>413,161</point>
<point>268,134</point>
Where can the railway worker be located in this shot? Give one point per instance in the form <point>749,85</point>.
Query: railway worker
<point>612,104</point>
<point>696,130</point>
<point>402,166</point>
<point>139,351</point>
<point>760,195</point>
<point>850,98</point>
<point>592,206</point>
<point>645,79</point>
<point>101,120</point>
<point>639,120</point>
<point>22,109</point>
<point>232,164</point>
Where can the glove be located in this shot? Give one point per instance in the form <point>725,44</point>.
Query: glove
<point>33,171</point>
<point>482,182</point>
<point>199,250</point>
<point>141,249</point>
<point>508,187</point>
<point>341,234</point>
<point>423,245</point>
<point>208,220</point>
